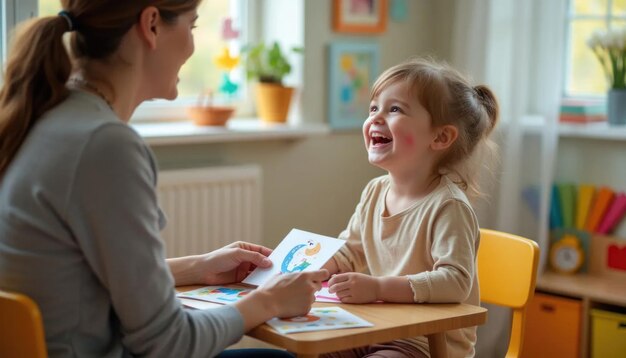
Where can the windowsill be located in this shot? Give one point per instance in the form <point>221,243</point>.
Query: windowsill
<point>236,130</point>
<point>600,130</point>
<point>594,130</point>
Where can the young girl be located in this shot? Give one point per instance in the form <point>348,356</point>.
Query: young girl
<point>414,229</point>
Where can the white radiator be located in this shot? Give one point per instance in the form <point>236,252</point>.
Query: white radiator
<point>210,207</point>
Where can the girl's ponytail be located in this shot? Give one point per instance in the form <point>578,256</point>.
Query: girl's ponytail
<point>34,82</point>
<point>489,102</point>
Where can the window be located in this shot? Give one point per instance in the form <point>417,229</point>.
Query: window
<point>584,77</point>
<point>199,73</point>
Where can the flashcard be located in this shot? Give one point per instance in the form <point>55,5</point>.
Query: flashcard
<point>198,305</point>
<point>299,251</point>
<point>217,294</point>
<point>319,319</point>
<point>324,296</point>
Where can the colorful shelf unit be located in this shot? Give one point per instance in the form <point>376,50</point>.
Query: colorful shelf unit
<point>608,330</point>
<point>552,319</point>
<point>601,289</point>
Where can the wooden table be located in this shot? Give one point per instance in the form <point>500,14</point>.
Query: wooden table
<point>391,321</point>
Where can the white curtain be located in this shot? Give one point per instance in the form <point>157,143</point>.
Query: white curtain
<point>516,47</point>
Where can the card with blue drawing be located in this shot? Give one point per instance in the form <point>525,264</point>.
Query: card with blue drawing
<point>299,251</point>
<point>319,319</point>
<point>217,294</point>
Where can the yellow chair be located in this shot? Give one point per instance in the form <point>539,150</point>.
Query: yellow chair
<point>507,271</point>
<point>21,330</point>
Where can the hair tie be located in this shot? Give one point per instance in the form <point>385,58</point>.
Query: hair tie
<point>71,23</point>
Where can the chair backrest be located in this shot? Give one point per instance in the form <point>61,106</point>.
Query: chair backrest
<point>21,330</point>
<point>507,272</point>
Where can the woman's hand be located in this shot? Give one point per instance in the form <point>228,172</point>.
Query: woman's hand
<point>230,264</point>
<point>233,262</point>
<point>285,295</point>
<point>354,287</point>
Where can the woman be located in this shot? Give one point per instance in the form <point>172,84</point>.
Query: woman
<point>79,219</point>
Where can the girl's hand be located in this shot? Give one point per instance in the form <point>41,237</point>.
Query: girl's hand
<point>354,287</point>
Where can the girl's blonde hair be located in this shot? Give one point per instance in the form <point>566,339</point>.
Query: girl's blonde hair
<point>39,65</point>
<point>450,99</point>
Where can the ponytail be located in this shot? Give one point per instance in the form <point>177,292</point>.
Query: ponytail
<point>36,73</point>
<point>489,102</point>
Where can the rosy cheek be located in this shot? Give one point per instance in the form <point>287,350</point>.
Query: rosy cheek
<point>409,140</point>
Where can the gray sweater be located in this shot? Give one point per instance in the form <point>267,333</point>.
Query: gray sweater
<point>79,234</point>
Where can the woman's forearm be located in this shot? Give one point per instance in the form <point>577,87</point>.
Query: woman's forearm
<point>184,271</point>
<point>256,308</point>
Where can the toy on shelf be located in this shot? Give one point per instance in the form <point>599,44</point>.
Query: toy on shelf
<point>581,217</point>
<point>567,255</point>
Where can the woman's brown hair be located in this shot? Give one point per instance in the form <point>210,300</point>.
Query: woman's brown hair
<point>39,65</point>
<point>449,98</point>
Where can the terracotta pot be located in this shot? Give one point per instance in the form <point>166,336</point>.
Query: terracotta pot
<point>210,115</point>
<point>273,102</point>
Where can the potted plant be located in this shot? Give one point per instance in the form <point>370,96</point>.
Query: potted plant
<point>610,49</point>
<point>268,65</point>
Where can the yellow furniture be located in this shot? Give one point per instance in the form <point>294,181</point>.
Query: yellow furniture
<point>608,334</point>
<point>507,271</point>
<point>599,287</point>
<point>21,331</point>
<point>553,326</point>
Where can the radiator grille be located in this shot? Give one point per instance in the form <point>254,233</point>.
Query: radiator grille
<point>210,207</point>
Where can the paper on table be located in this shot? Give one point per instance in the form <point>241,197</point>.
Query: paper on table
<point>299,251</point>
<point>218,294</point>
<point>319,319</point>
<point>199,305</point>
<point>324,295</point>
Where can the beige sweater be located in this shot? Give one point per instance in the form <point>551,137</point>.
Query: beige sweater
<point>434,243</point>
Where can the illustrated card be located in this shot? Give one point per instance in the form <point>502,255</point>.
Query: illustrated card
<point>324,295</point>
<point>319,319</point>
<point>299,251</point>
<point>217,294</point>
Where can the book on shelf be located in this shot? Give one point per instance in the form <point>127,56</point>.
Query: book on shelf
<point>582,111</point>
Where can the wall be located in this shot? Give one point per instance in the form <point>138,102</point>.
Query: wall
<point>314,184</point>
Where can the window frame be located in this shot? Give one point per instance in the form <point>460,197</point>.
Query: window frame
<point>13,12</point>
<point>248,12</point>
<point>570,17</point>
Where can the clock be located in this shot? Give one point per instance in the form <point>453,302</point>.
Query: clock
<point>566,255</point>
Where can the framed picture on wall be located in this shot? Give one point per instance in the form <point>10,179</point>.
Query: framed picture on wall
<point>360,16</point>
<point>353,67</point>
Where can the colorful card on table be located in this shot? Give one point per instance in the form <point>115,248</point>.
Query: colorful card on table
<point>585,199</point>
<point>198,305</point>
<point>319,319</point>
<point>603,200</point>
<point>218,294</point>
<point>299,251</point>
<point>324,295</point>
